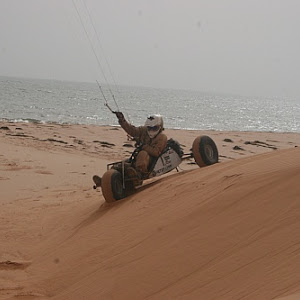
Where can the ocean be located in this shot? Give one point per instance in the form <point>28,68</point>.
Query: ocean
<point>35,100</point>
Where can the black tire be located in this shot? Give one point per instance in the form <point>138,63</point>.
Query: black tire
<point>112,186</point>
<point>205,151</point>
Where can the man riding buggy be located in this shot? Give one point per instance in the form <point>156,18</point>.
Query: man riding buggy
<point>150,137</point>
<point>151,140</point>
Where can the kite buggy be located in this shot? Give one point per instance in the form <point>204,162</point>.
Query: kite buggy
<point>154,155</point>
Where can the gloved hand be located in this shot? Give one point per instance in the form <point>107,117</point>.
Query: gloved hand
<point>120,116</point>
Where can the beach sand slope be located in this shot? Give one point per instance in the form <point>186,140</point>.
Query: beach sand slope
<point>228,231</point>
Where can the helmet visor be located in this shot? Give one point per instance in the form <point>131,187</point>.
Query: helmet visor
<point>153,128</point>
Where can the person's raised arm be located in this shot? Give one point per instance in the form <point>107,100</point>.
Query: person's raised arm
<point>130,129</point>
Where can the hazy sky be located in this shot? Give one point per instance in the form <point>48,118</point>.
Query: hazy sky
<point>248,47</point>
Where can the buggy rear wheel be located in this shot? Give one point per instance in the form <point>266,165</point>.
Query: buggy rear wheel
<point>205,151</point>
<point>112,186</point>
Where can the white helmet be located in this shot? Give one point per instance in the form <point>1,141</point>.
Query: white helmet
<point>155,125</point>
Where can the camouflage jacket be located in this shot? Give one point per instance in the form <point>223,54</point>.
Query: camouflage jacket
<point>153,147</point>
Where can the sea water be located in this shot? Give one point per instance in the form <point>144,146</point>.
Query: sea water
<point>36,100</point>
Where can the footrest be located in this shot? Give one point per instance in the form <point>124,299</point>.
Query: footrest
<point>97,181</point>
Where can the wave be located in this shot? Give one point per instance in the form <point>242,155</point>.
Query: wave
<point>26,120</point>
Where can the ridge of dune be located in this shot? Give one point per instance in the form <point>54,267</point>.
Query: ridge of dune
<point>228,231</point>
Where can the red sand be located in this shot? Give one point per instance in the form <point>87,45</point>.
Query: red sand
<point>228,231</point>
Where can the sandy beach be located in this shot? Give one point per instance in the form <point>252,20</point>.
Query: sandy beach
<point>227,231</point>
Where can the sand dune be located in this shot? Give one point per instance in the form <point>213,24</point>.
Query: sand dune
<point>228,231</point>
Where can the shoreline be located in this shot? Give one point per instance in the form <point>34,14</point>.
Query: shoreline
<point>35,121</point>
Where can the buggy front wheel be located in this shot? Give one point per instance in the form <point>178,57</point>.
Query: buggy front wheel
<point>112,186</point>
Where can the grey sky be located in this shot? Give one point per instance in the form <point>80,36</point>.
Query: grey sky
<point>248,47</point>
